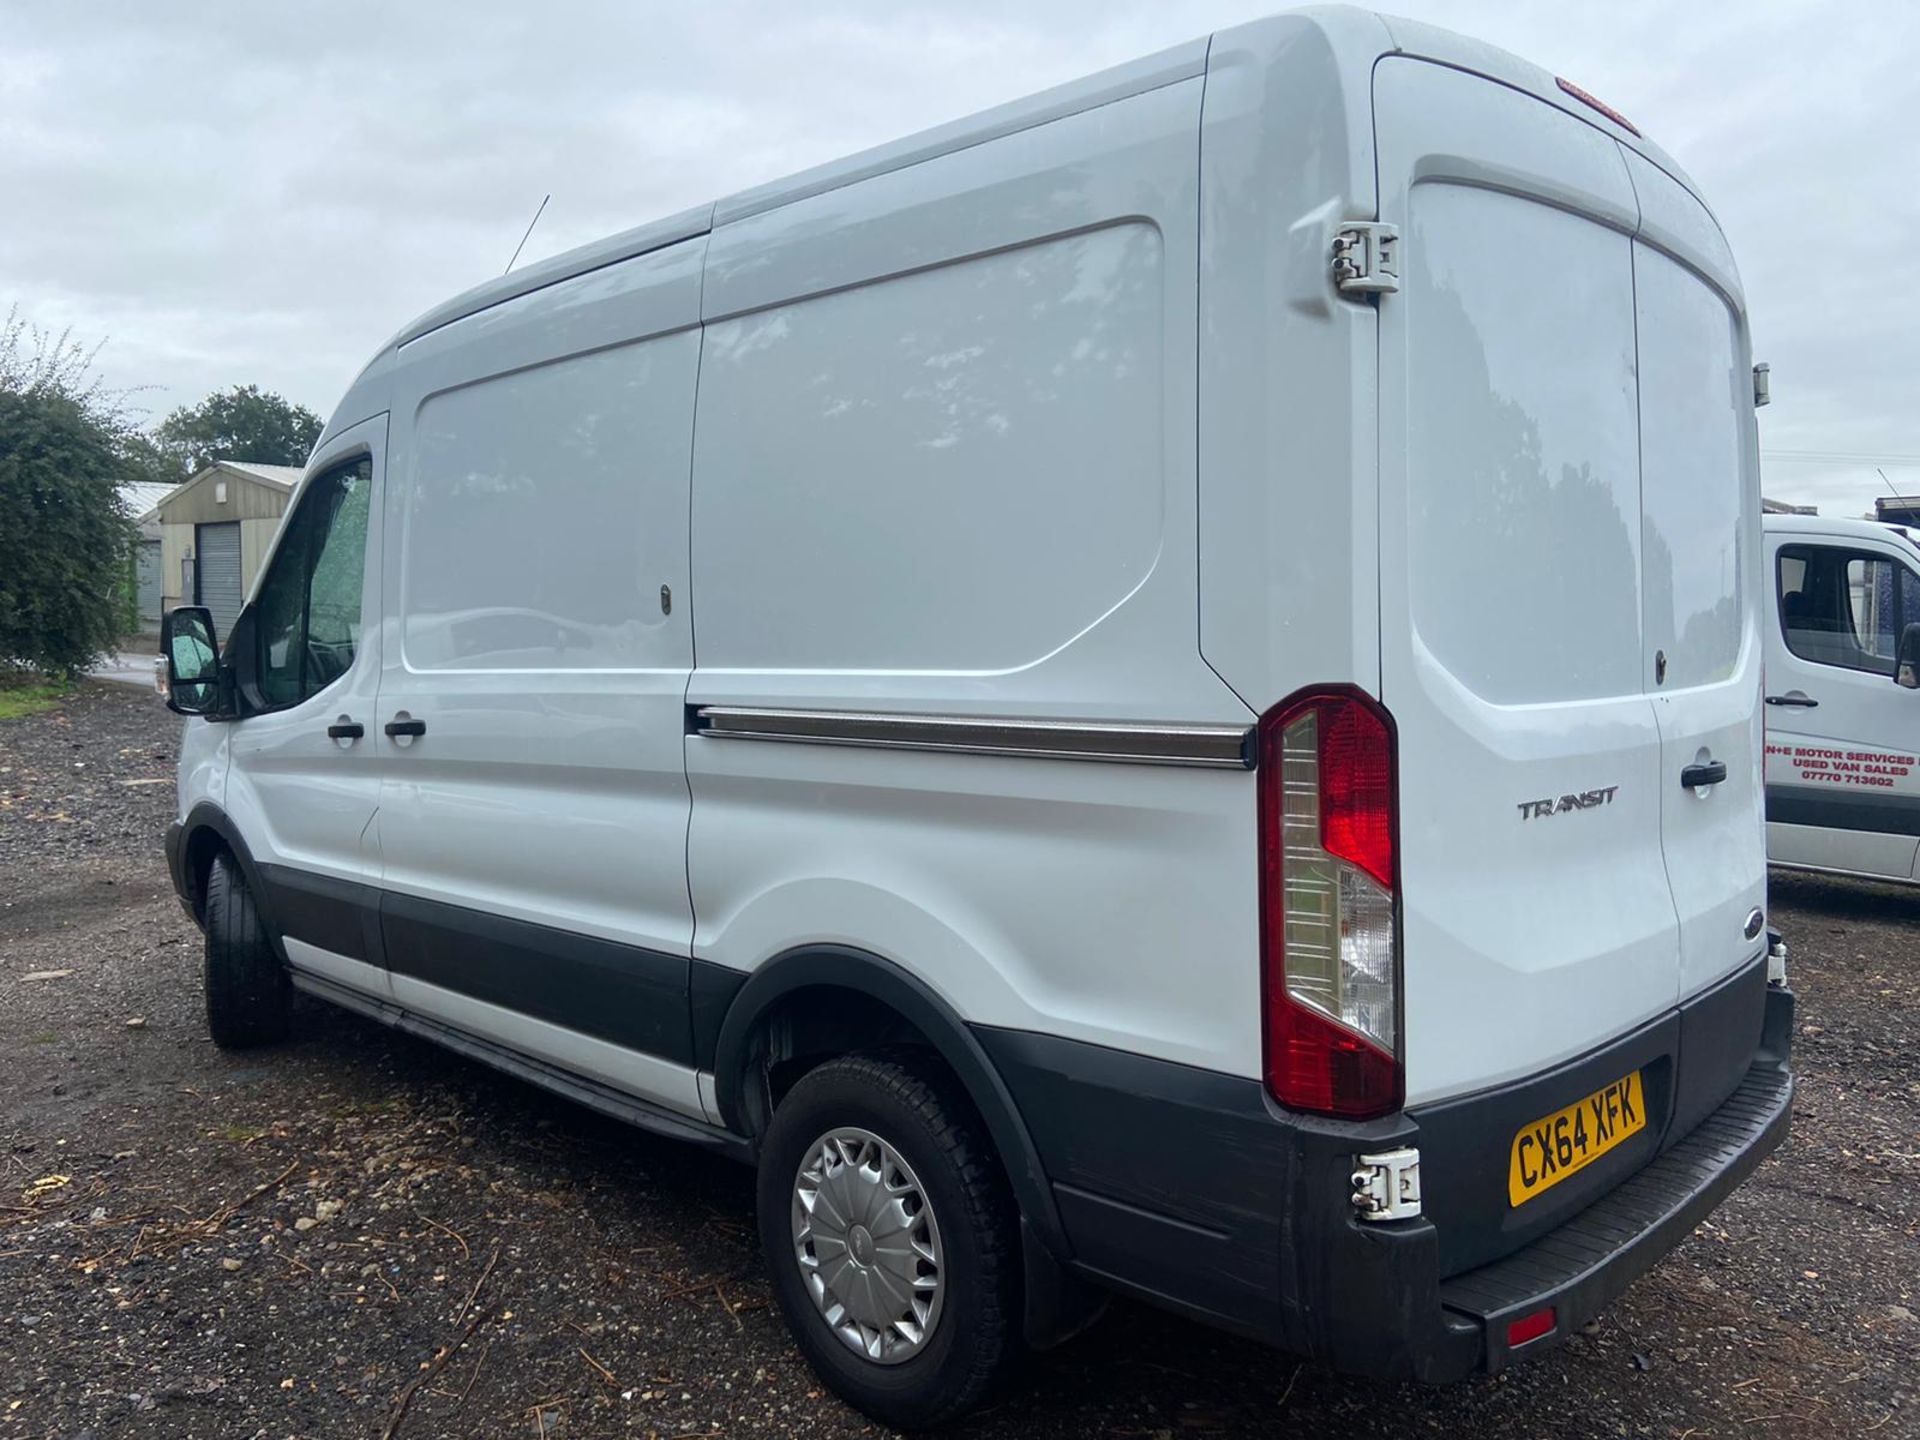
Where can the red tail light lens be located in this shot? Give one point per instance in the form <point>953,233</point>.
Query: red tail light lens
<point>1530,1327</point>
<point>1331,961</point>
<point>1356,788</point>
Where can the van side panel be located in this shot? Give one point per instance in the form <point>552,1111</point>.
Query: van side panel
<point>534,833</point>
<point>1288,473</point>
<point>944,465</point>
<point>1844,852</point>
<point>891,444</point>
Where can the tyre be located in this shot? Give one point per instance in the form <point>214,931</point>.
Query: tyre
<point>892,1239</point>
<point>247,991</point>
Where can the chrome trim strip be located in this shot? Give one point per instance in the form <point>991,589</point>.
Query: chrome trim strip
<point>1229,747</point>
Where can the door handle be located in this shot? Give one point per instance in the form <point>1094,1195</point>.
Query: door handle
<point>1711,773</point>
<point>1794,697</point>
<point>345,729</point>
<point>406,727</point>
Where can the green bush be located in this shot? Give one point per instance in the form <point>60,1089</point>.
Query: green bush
<point>66,445</point>
<point>64,541</point>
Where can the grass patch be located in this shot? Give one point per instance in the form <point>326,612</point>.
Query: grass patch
<point>21,697</point>
<point>43,1037</point>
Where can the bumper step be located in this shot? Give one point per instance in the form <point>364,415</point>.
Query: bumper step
<point>1588,1262</point>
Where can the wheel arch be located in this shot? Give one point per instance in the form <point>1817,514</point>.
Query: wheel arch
<point>205,832</point>
<point>791,976</point>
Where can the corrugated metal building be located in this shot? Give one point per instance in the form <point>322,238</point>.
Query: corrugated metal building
<point>138,498</point>
<point>214,534</point>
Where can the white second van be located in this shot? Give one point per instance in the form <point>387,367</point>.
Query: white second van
<point>1155,691</point>
<point>1843,723</point>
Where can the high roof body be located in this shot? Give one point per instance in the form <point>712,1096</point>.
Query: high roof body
<point>1351,39</point>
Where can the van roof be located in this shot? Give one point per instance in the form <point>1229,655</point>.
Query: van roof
<point>1835,526</point>
<point>1350,34</point>
<point>1180,63</point>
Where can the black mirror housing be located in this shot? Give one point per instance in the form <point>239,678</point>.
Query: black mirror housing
<point>191,650</point>
<point>1906,665</point>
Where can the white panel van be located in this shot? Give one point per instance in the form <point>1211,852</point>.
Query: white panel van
<point>1155,691</point>
<point>1843,724</point>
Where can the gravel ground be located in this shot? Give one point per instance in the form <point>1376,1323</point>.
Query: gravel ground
<point>357,1226</point>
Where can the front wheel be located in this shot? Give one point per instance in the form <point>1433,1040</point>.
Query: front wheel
<point>892,1239</point>
<point>247,991</point>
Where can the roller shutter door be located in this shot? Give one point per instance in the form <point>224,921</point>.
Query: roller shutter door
<point>217,548</point>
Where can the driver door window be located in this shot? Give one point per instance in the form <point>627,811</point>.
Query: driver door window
<point>309,604</point>
<point>1844,607</point>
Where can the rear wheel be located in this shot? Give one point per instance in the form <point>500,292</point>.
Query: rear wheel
<point>247,991</point>
<point>891,1237</point>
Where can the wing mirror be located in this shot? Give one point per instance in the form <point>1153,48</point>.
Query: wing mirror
<point>192,657</point>
<point>1906,665</point>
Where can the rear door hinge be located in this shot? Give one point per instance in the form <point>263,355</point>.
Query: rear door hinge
<point>1366,258</point>
<point>1387,1186</point>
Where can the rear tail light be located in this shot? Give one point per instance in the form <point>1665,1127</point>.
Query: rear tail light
<point>1330,970</point>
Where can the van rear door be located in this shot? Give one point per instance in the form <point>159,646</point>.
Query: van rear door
<point>1700,555</point>
<point>1537,917</point>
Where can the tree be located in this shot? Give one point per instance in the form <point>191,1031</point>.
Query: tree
<point>144,458</point>
<point>244,423</point>
<point>65,448</point>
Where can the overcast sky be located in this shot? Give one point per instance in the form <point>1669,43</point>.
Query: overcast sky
<point>264,193</point>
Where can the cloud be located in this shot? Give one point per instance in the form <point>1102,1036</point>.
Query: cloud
<point>265,193</point>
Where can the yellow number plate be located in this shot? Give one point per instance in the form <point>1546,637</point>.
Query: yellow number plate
<point>1567,1141</point>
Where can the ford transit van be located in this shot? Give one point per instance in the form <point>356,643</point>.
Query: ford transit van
<point>1156,691</point>
<point>1843,722</point>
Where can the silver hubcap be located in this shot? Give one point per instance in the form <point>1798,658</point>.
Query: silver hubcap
<point>868,1245</point>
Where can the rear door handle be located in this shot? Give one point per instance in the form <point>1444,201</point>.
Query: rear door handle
<point>345,729</point>
<point>1794,697</point>
<point>1711,773</point>
<point>406,727</point>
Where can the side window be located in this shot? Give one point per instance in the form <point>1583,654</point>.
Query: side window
<point>1873,604</point>
<point>333,596</point>
<point>309,604</point>
<point>1843,607</point>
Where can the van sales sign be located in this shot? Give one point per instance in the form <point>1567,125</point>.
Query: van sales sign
<point>1831,765</point>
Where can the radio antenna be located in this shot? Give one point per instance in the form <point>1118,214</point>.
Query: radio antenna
<point>523,239</point>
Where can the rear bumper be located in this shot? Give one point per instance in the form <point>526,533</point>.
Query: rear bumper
<point>1583,1266</point>
<point>1191,1190</point>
